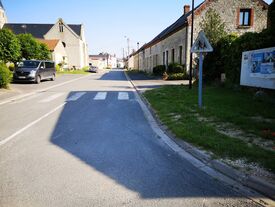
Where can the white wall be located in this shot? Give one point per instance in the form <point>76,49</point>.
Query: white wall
<point>75,50</point>
<point>59,53</point>
<point>3,18</point>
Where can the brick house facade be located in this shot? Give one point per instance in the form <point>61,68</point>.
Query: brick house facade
<point>173,43</point>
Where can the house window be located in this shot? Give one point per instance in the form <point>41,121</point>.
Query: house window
<point>180,54</point>
<point>245,17</point>
<point>163,58</point>
<point>61,27</point>
<point>173,56</point>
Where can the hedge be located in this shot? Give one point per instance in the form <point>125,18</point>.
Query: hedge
<point>176,68</point>
<point>5,76</point>
<point>159,70</point>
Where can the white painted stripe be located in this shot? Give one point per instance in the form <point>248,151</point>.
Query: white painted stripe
<point>123,96</point>
<point>51,98</point>
<point>25,99</point>
<point>100,96</point>
<point>41,90</point>
<point>4,141</point>
<point>76,96</point>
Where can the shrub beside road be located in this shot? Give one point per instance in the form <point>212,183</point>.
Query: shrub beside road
<point>5,76</point>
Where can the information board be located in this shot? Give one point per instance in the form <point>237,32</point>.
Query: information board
<point>258,68</point>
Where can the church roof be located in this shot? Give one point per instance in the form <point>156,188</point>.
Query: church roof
<point>38,30</point>
<point>50,43</point>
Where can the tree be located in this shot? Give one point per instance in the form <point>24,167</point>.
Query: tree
<point>44,52</point>
<point>213,26</point>
<point>271,17</point>
<point>30,48</point>
<point>9,47</point>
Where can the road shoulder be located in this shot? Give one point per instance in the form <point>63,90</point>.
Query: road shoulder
<point>203,161</point>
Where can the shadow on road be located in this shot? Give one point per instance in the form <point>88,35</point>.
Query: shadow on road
<point>113,138</point>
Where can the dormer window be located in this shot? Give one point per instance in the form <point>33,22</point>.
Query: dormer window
<point>61,27</point>
<point>245,17</point>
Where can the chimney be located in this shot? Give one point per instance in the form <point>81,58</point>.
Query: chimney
<point>186,9</point>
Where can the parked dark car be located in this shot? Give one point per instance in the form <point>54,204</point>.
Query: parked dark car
<point>93,69</point>
<point>34,71</point>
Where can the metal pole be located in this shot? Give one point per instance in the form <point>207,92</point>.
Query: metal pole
<point>200,80</point>
<point>128,42</point>
<point>191,54</point>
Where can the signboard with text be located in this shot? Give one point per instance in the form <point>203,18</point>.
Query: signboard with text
<point>258,68</point>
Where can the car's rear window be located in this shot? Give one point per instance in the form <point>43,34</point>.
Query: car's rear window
<point>28,64</point>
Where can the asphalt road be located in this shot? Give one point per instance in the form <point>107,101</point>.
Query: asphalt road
<point>88,143</point>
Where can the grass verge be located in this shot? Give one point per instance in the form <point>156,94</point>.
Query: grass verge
<point>177,108</point>
<point>83,71</point>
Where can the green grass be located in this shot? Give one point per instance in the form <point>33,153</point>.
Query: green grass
<point>177,108</point>
<point>82,71</point>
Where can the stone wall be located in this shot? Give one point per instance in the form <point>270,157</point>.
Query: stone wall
<point>228,10</point>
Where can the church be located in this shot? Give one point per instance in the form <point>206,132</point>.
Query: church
<point>66,42</point>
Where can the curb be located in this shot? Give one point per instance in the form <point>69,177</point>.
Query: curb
<point>235,177</point>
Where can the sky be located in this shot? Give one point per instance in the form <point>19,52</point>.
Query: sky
<point>108,23</point>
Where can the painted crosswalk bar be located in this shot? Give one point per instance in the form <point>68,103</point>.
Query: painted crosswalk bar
<point>100,96</point>
<point>123,96</point>
<point>51,98</point>
<point>76,96</point>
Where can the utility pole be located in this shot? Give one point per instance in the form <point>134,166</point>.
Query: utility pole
<point>191,54</point>
<point>128,43</point>
<point>138,54</point>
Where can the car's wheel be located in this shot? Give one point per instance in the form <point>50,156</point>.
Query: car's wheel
<point>53,77</point>
<point>38,79</point>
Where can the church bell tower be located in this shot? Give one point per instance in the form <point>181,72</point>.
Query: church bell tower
<point>3,17</point>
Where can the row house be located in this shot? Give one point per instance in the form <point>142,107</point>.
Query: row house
<point>173,44</point>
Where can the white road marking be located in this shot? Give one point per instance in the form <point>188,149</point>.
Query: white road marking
<point>25,99</point>
<point>100,96</point>
<point>4,141</point>
<point>51,98</point>
<point>41,90</point>
<point>76,96</point>
<point>123,96</point>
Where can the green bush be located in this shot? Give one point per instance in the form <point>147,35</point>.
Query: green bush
<point>58,67</point>
<point>159,70</point>
<point>227,55</point>
<point>175,68</point>
<point>178,76</point>
<point>214,63</point>
<point>5,76</point>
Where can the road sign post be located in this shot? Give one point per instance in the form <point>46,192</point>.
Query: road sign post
<point>201,46</point>
<point>200,79</point>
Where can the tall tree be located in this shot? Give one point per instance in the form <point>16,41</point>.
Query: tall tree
<point>213,26</point>
<point>44,52</point>
<point>9,47</point>
<point>29,46</point>
<point>271,17</point>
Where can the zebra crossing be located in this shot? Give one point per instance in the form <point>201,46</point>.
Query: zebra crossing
<point>98,96</point>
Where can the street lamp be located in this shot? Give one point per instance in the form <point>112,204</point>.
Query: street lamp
<point>191,54</point>
<point>128,45</point>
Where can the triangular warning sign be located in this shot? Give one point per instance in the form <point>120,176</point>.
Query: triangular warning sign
<point>201,44</point>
